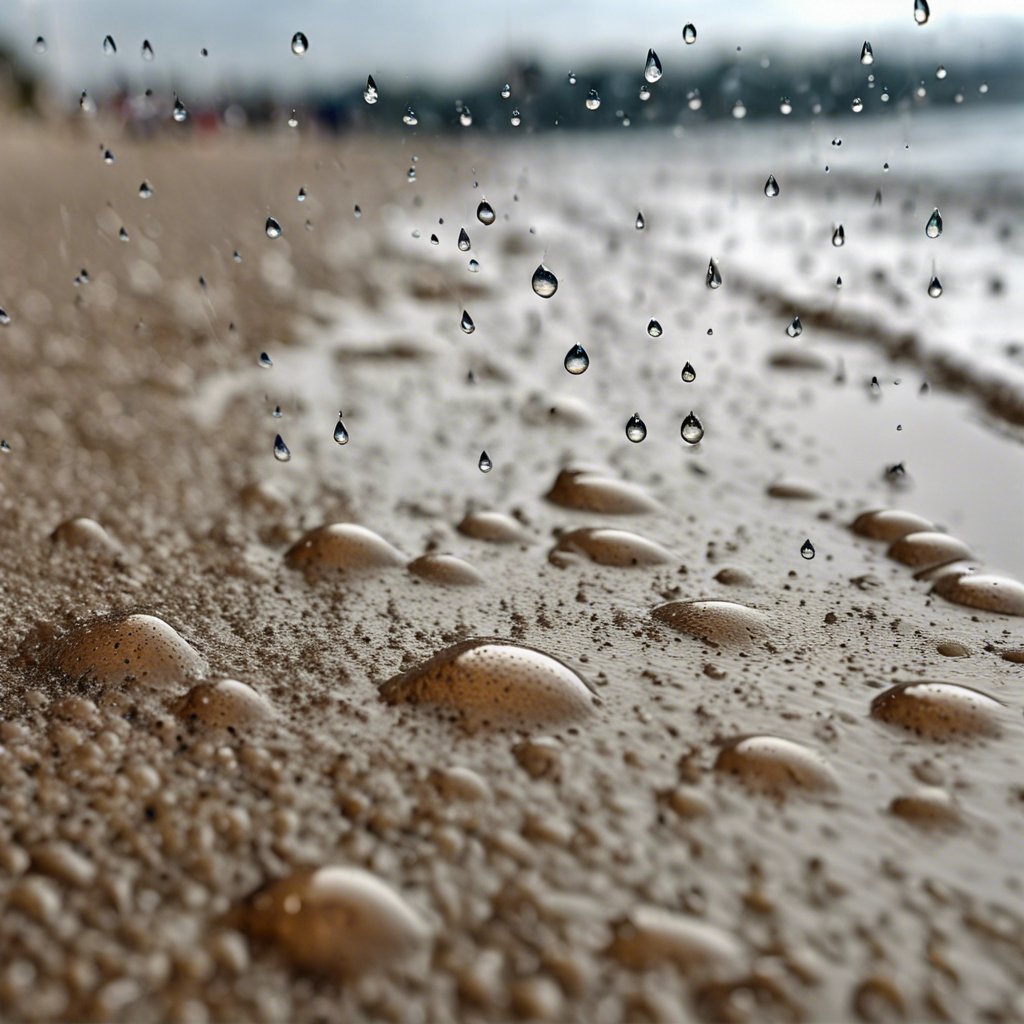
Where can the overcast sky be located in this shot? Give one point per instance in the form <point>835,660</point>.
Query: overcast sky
<point>448,40</point>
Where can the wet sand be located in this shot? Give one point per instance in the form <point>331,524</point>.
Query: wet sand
<point>663,766</point>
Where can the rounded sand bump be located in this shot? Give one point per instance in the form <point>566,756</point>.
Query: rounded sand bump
<point>652,936</point>
<point>776,766</point>
<point>591,491</point>
<point>342,547</point>
<point>494,682</point>
<point>927,807</point>
<point>607,547</point>
<point>130,648</point>
<point>337,921</point>
<point>793,490</point>
<point>938,711</point>
<point>83,533</point>
<point>719,622</point>
<point>224,704</point>
<point>889,524</point>
<point>495,527</point>
<point>927,549</point>
<point>984,591</point>
<point>445,570</point>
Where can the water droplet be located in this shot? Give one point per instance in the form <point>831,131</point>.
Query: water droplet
<point>593,100</point>
<point>485,212</point>
<point>84,533</point>
<point>5,318</point>
<point>506,91</point>
<point>785,107</point>
<point>654,329</point>
<point>691,430</point>
<point>654,938</point>
<point>300,44</point>
<point>39,45</point>
<point>857,105</point>
<point>109,46</point>
<point>938,711</point>
<point>464,243</point>
<point>357,211</point>
<point>123,234</point>
<point>467,325</point>
<point>301,197</point>
<point>689,34</point>
<point>718,622</point>
<point>618,548</point>
<point>934,226</point>
<point>775,766</point>
<point>340,433</point>
<point>934,287</point>
<point>342,547</point>
<point>410,118</point>
<point>493,682</point>
<point>473,266</point>
<point>272,228</point>
<point>921,12</point>
<point>689,374</point>
<point>108,157</point>
<point>693,100</point>
<point>5,447</point>
<point>867,55</point>
<point>281,450</point>
<point>771,187</point>
<point>593,491</point>
<point>277,412</point>
<point>147,50</point>
<point>644,94</point>
<point>652,69</point>
<point>515,120</point>
<point>411,175</point>
<point>180,114</point>
<point>370,93</point>
<point>434,240</point>
<point>204,52</point>
<point>928,549</point>
<point>571,77</point>
<point>839,236</point>
<point>982,590</point>
<point>465,117</point>
<point>739,110</point>
<point>577,360</point>
<point>545,284</point>
<point>795,328</point>
<point>640,222</point>
<point>807,549</point>
<point>224,704</point>
<point>636,429</point>
<point>940,72</point>
<point>713,278</point>
<point>236,256</point>
<point>484,463</point>
<point>494,527</point>
<point>145,190</point>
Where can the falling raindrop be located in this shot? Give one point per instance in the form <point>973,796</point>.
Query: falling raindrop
<point>857,105</point>
<point>515,120</point>
<point>108,157</point>
<point>300,44</point>
<point>357,211</point>
<point>5,318</point>
<point>867,55</point>
<point>785,107</point>
<point>940,72</point>
<point>577,360</point>
<point>654,329</point>
<point>147,50</point>
<point>689,34</point>
<point>485,212</point>
<point>145,190</point>
<point>484,464</point>
<point>571,77</point>
<point>272,228</point>
<point>714,276</point>
<point>465,117</point>
<point>277,412</point>
<point>370,93</point>
<point>636,429</point>
<point>467,325</point>
<point>506,91</point>
<point>934,287</point>
<point>921,12</point>
<point>179,113</point>
<point>839,282</point>
<point>302,194</point>
<point>545,284</point>
<point>109,46</point>
<point>771,187</point>
<point>652,70</point>
<point>473,266</point>
<point>411,176</point>
<point>807,549</point>
<point>410,118</point>
<point>5,447</point>
<point>876,388</point>
<point>691,429</point>
<point>434,240</point>
<point>689,374</point>
<point>340,433</point>
<point>39,45</point>
<point>236,256</point>
<point>644,94</point>
<point>123,234</point>
<point>293,120</point>
<point>640,222</point>
<point>593,100</point>
<point>204,52</point>
<point>281,451</point>
<point>795,328</point>
<point>934,226</point>
<point>839,236</point>
<point>739,110</point>
<point>265,361</point>
<point>693,100</point>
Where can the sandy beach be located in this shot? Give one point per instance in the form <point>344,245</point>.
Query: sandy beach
<point>663,766</point>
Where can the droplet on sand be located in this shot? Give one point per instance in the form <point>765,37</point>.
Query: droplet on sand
<point>718,622</point>
<point>342,547</point>
<point>985,591</point>
<point>938,711</point>
<point>445,570</point>
<point>928,549</point>
<point>607,547</point>
<point>224,704</point>
<point>592,491</point>
<point>775,766</point>
<point>889,524</point>
<point>495,527</point>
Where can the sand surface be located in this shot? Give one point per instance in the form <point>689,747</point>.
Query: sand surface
<point>664,767</point>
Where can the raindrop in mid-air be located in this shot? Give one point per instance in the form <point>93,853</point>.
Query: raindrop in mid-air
<point>652,69</point>
<point>636,429</point>
<point>689,374</point>
<point>795,328</point>
<point>714,275</point>
<point>370,93</point>
<point>109,46</point>
<point>577,360</point>
<point>839,236</point>
<point>410,118</point>
<point>300,44</point>
<point>921,12</point>
<point>934,226</point>
<point>771,187</point>
<point>464,243</point>
<point>484,463</point>
<point>506,91</point>
<point>640,223</point>
<point>691,430</point>
<point>39,45</point>
<point>272,228</point>
<point>654,328</point>
<point>145,190</point>
<point>179,113</point>
<point>467,325</point>
<point>147,50</point>
<point>867,55</point>
<point>689,34</point>
<point>593,100</point>
<point>340,433</point>
<point>281,451</point>
<point>934,287</point>
<point>807,549</point>
<point>545,284</point>
<point>265,361</point>
<point>485,212</point>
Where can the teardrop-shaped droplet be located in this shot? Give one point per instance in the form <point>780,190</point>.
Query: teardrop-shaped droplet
<point>109,46</point>
<point>473,266</point>
<point>934,287</point>
<point>108,157</point>
<point>5,318</point>
<point>340,433</point>
<point>300,44</point>
<point>636,429</point>
<point>785,106</point>
<point>940,72</point>
<point>545,284</point>
<point>771,187</point>
<point>807,549</point>
<point>652,69</point>
<point>506,91</point>
<point>281,451</point>
<point>654,329</point>
<point>857,105</point>
<point>516,119</point>
<point>839,236</point>
<point>236,256</point>
<point>265,361</point>
<point>571,78</point>
<point>147,50</point>
<point>464,243</point>
<point>867,55</point>
<point>467,325</point>
<point>795,328</point>
<point>934,226</point>
<point>370,93</point>
<point>179,113</point>
<point>714,276</point>
<point>123,234</point>
<point>485,212</point>
<point>645,94</point>
<point>39,45</point>
<point>577,360</point>
<point>484,464</point>
<point>689,34</point>
<point>689,373</point>
<point>301,197</point>
<point>691,430</point>
<point>410,118</point>
<point>693,100</point>
<point>921,12</point>
<point>739,110</point>
<point>272,228</point>
<point>839,282</point>
<point>145,190</point>
<point>593,100</point>
<point>640,222</point>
